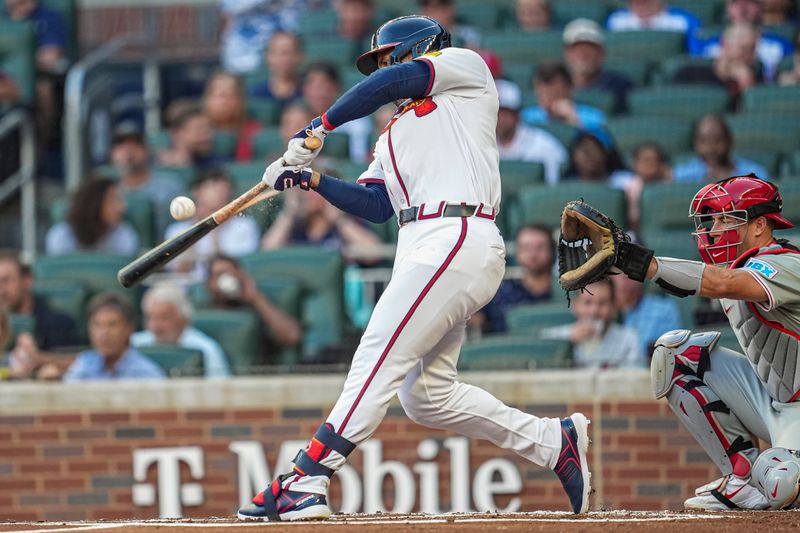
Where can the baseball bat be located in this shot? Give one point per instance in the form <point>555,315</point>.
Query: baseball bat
<point>146,264</point>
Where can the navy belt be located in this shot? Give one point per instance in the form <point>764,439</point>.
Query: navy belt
<point>445,210</point>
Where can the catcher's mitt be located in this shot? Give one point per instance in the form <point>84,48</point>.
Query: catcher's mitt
<point>591,245</point>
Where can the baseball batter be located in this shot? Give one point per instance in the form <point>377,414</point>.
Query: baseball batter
<point>722,396</point>
<point>436,169</point>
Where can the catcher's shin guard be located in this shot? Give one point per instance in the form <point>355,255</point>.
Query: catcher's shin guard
<point>677,369</point>
<point>278,502</point>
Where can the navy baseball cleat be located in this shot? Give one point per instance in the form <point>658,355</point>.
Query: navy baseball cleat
<point>288,505</point>
<point>572,467</point>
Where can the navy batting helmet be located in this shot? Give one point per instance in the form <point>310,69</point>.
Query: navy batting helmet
<point>413,34</point>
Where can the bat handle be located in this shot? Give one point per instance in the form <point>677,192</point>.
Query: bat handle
<point>311,142</point>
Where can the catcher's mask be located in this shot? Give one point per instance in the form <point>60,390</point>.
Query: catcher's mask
<point>413,34</point>
<point>730,204</point>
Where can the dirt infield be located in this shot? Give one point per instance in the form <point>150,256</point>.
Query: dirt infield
<point>614,521</point>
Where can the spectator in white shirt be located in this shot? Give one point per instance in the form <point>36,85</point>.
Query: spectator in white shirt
<point>651,15</point>
<point>519,142</point>
<point>168,317</point>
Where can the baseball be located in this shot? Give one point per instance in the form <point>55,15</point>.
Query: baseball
<point>182,208</point>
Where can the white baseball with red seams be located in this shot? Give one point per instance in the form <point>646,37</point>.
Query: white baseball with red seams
<point>440,149</point>
<point>182,208</point>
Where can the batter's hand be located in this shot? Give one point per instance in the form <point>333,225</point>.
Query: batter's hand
<point>297,154</point>
<point>280,176</point>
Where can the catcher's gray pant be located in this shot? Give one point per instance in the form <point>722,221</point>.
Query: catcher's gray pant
<point>722,400</point>
<point>445,270</point>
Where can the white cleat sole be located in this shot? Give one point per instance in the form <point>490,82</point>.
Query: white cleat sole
<point>315,512</point>
<point>582,427</point>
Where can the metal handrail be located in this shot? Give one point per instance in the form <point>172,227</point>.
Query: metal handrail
<point>75,112</point>
<point>23,179</point>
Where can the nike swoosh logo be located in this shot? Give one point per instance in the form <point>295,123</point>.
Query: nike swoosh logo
<point>727,310</point>
<point>775,492</point>
<point>734,493</point>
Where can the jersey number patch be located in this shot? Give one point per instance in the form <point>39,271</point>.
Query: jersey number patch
<point>762,268</point>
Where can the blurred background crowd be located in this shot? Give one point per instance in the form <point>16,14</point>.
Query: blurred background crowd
<point>632,105</point>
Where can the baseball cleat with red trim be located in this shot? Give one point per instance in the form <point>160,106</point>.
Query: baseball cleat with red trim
<point>276,504</point>
<point>725,494</point>
<point>572,467</point>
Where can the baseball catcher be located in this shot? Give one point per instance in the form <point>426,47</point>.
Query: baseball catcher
<point>721,396</point>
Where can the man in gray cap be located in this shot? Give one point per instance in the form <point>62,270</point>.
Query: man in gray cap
<point>584,52</point>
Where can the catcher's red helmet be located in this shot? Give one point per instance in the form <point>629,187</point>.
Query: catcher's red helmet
<point>740,199</point>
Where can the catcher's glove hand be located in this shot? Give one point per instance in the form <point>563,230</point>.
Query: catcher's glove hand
<point>592,246</point>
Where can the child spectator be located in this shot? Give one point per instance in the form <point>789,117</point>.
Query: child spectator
<point>112,320</point>
<point>94,223</point>
<point>225,105</point>
<point>650,165</point>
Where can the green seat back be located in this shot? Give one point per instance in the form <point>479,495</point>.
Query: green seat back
<point>95,271</point>
<point>315,21</point>
<point>268,144</point>
<point>244,176</point>
<point>647,45</point>
<point>765,131</point>
<point>159,140</point>
<point>674,134</point>
<point>252,80</point>
<point>183,175</point>
<point>513,352</point>
<point>237,331</point>
<point>670,66</point>
<point>336,145</point>
<point>20,324</point>
<point>770,98</point>
<point>637,70</point>
<point>790,194</point>
<point>708,11</point>
<point>769,159</point>
<point>687,101</point>
<point>526,319</point>
<point>602,100</point>
<point>267,112</point>
<point>17,56</point>
<point>564,12</point>
<point>672,243</point>
<point>525,47</point>
<point>224,144</point>
<point>562,131</point>
<point>519,73</point>
<point>544,204</point>
<point>66,297</point>
<point>518,174</point>
<point>176,361</point>
<point>665,206</point>
<point>334,50</point>
<point>485,16</point>
<point>320,273</point>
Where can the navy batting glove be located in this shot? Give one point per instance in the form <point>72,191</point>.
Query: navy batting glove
<point>292,178</point>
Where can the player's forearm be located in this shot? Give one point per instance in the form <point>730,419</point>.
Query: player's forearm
<point>407,80</point>
<point>682,277</point>
<point>370,202</point>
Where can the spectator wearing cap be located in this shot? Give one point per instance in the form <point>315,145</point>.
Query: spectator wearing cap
<point>112,320</point>
<point>191,136</point>
<point>534,15</point>
<point>714,159</point>
<point>168,318</point>
<point>584,53</point>
<point>94,223</point>
<point>520,142</point>
<point>553,87</point>
<point>131,158</point>
<point>770,48</point>
<point>652,15</point>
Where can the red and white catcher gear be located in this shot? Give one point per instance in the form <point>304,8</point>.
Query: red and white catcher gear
<point>679,363</point>
<point>739,200</point>
<point>777,473</point>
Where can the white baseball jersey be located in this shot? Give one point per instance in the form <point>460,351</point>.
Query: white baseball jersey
<point>458,118</point>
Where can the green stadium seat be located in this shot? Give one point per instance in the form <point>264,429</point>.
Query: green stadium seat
<point>485,16</point>
<point>768,159</point>
<point>349,170</point>
<point>678,100</point>
<point>562,131</point>
<point>543,204</point>
<point>267,112</point>
<point>336,145</point>
<point>224,144</point>
<point>244,176</point>
<point>525,47</point>
<point>670,66</point>
<point>254,79</point>
<point>175,360</point>
<point>184,175</point>
<point>18,56</point>
<point>528,319</point>
<point>519,73</point>
<point>765,131</point>
<point>564,12</point>
<point>268,144</point>
<point>674,134</point>
<point>646,45</point>
<point>316,21</point>
<point>139,212</point>
<point>708,11</point>
<point>518,174</point>
<point>331,49</point>
<point>638,71</point>
<point>772,99</point>
<point>602,100</point>
<point>665,207</point>
<point>20,324</point>
<point>672,243</point>
<point>350,77</point>
<point>512,352</point>
<point>237,331</point>
<point>94,271</point>
<point>320,273</point>
<point>66,297</point>
<point>790,194</point>
<point>791,165</point>
<point>159,140</point>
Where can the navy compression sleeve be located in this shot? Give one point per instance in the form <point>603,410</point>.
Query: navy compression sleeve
<point>398,82</point>
<point>370,202</point>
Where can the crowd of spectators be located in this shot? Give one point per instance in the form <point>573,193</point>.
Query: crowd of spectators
<point>266,64</point>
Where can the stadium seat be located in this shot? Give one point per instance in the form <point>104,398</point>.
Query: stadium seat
<point>267,112</point>
<point>770,98</point>
<point>670,66</point>
<point>562,131</point>
<point>484,15</point>
<point>517,174</point>
<point>348,170</point>
<point>66,297</point>
<point>678,100</point>
<point>674,134</point>
<point>237,331</point>
<point>791,165</point>
<point>665,207</point>
<point>790,194</point>
<point>20,324</point>
<point>519,73</point>
<point>708,11</point>
<point>96,272</point>
<point>175,360</point>
<point>768,159</point>
<point>331,49</point>
<point>602,100</point>
<point>672,243</point>
<point>185,176</point>
<point>17,56</point>
<point>320,273</point>
<point>336,145</point>
<point>252,80</point>
<point>315,21</point>
<point>525,47</point>
<point>268,144</point>
<point>528,319</point>
<point>224,144</point>
<point>543,204</point>
<point>638,71</point>
<point>765,131</point>
<point>513,352</point>
<point>564,12</point>
<point>645,45</point>
<point>159,140</point>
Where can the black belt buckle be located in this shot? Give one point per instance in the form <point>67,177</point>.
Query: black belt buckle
<point>407,215</point>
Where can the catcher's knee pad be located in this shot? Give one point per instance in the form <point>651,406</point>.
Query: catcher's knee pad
<point>679,353</point>
<point>308,462</point>
<point>777,473</point>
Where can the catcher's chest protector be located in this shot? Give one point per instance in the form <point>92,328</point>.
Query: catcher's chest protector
<point>770,339</point>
